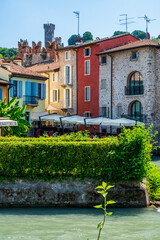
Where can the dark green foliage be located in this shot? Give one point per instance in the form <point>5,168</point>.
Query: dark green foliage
<point>118,33</point>
<point>153,183</point>
<point>139,34</point>
<point>71,40</point>
<point>8,52</point>
<point>87,36</point>
<point>112,159</point>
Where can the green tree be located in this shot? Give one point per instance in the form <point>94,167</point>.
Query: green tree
<point>139,34</point>
<point>118,33</point>
<point>13,111</point>
<point>71,40</point>
<point>8,52</point>
<point>87,36</point>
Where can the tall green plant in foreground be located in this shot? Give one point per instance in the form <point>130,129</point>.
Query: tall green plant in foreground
<point>13,111</point>
<point>104,192</point>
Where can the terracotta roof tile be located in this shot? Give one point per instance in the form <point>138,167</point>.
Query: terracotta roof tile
<point>137,44</point>
<point>101,40</point>
<point>5,82</point>
<point>44,67</point>
<point>20,70</point>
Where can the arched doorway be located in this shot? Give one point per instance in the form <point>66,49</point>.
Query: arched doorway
<point>136,111</point>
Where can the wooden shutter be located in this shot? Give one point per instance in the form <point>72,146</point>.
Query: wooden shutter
<point>11,90</point>
<point>44,91</point>
<point>1,94</point>
<point>33,89</point>
<point>20,89</point>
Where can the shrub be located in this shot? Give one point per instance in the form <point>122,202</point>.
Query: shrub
<point>110,159</point>
<point>153,183</point>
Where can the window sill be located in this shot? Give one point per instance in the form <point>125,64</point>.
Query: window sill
<point>139,95</point>
<point>102,64</point>
<point>134,59</point>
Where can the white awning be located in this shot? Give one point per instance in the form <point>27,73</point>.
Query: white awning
<point>52,117</point>
<point>51,108</point>
<point>122,122</point>
<point>98,121</point>
<point>36,115</point>
<point>73,120</point>
<point>5,123</point>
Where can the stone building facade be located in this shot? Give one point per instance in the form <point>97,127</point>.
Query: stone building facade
<point>49,34</point>
<point>132,82</point>
<point>36,54</point>
<point>68,79</point>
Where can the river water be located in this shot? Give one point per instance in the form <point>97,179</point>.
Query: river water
<point>78,224</point>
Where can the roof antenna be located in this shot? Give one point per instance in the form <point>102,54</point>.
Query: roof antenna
<point>77,15</point>
<point>148,20</point>
<point>125,21</point>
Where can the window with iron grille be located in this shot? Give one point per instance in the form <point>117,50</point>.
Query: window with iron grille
<point>135,84</point>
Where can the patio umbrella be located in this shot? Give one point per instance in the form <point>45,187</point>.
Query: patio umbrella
<point>51,117</point>
<point>73,120</point>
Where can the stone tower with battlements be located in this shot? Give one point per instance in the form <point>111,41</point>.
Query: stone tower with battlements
<point>48,33</point>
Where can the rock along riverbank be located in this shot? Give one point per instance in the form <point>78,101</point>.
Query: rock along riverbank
<point>70,193</point>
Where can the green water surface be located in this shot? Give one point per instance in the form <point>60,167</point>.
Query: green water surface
<point>78,224</point>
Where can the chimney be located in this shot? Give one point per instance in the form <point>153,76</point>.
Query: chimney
<point>17,60</point>
<point>148,35</point>
<point>78,40</point>
<point>6,63</point>
<point>159,40</point>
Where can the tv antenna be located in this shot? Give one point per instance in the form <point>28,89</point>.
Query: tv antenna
<point>148,20</point>
<point>124,21</point>
<point>77,15</point>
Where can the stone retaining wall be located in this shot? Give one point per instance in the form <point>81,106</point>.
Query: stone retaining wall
<point>69,194</point>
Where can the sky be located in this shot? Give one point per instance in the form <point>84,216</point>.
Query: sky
<point>24,19</point>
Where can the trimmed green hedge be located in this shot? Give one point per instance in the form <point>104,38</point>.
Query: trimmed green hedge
<point>110,159</point>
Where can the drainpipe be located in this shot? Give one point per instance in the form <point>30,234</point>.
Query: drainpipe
<point>111,84</point>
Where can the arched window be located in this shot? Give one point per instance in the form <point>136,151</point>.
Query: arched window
<point>136,111</point>
<point>135,84</point>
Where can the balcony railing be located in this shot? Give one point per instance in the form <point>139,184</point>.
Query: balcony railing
<point>30,100</point>
<point>137,117</point>
<point>134,90</point>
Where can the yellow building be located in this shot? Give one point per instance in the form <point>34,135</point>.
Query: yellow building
<point>61,86</point>
<point>28,86</point>
<point>53,88</point>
